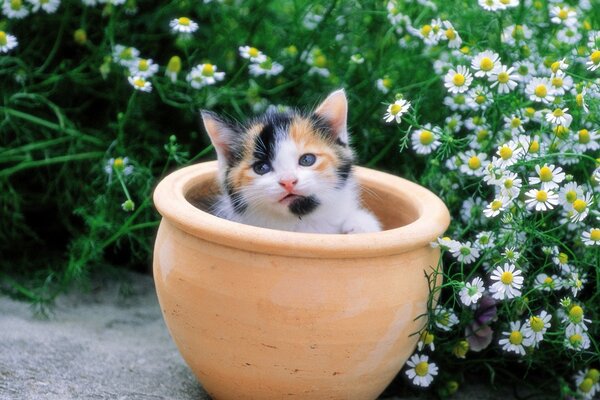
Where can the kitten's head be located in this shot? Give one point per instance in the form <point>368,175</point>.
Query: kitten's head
<point>284,164</point>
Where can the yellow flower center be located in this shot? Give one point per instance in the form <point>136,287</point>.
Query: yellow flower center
<point>496,205</point>
<point>458,80</point>
<point>426,30</point>
<point>563,258</point>
<point>516,337</point>
<point>545,174</point>
<point>555,66</point>
<point>548,281</point>
<point>563,14</point>
<point>541,91</point>
<point>208,70</point>
<point>595,235</point>
<point>584,136</point>
<point>579,205</point>
<point>576,339</point>
<point>3,39</point>
<point>126,54</point>
<point>80,36</point>
<point>515,122</point>
<point>506,152</point>
<point>119,164</point>
<point>594,375</point>
<point>426,137</point>
<point>541,196</point>
<point>506,277</point>
<point>557,81</point>
<point>530,111</point>
<point>576,314</point>
<point>571,196</point>
<point>518,32</point>
<point>174,64</point>
<point>534,147</point>
<point>395,109</point>
<point>579,99</point>
<point>480,99</point>
<point>503,77</point>
<point>16,4</point>
<point>595,57</point>
<point>474,162</point>
<point>558,112</point>
<point>561,132</point>
<point>427,338</point>
<point>184,21</point>
<point>536,323</point>
<point>422,368</point>
<point>387,82</point>
<point>461,349</point>
<point>482,134</point>
<point>450,34</point>
<point>320,61</point>
<point>139,82</point>
<point>486,64</point>
<point>586,385</point>
<point>508,183</point>
<point>253,52</point>
<point>143,65</point>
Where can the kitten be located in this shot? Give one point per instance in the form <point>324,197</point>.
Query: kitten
<point>290,171</point>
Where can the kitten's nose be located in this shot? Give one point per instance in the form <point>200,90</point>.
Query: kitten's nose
<point>288,184</point>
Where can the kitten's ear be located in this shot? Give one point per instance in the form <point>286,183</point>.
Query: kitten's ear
<point>334,109</point>
<point>222,135</point>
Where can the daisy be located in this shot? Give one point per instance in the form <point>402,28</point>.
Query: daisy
<point>587,383</point>
<point>426,140</point>
<point>511,255</point>
<point>505,78</point>
<point>473,163</point>
<point>49,6</point>
<point>7,42</point>
<point>495,207</point>
<point>536,326</point>
<point>514,34</point>
<point>450,34</point>
<point>587,140</point>
<point>560,82</point>
<point>576,319</point>
<point>540,90</point>
<point>267,68</point>
<point>491,5</point>
<point>549,176</point>
<point>559,117</point>
<point>581,208</point>
<point>525,70</point>
<point>484,240</point>
<point>563,15</point>
<point>568,35</point>
<point>396,110</point>
<point>465,253</point>
<point>479,98</point>
<point>14,9</point>
<point>509,154</point>
<point>541,200</point>
<point>203,75</point>
<point>591,237</point>
<point>444,318</point>
<point>421,371</point>
<point>140,83</point>
<point>125,56</point>
<point>508,282</point>
<point>445,243</point>
<point>570,192</point>
<point>485,63</point>
<point>145,68</point>
<point>576,339</point>
<point>594,62</point>
<point>515,339</point>
<point>252,54</point>
<point>426,340</point>
<point>173,68</point>
<point>515,124</point>
<point>510,185</point>
<point>459,80</point>
<point>384,85</point>
<point>471,291</point>
<point>183,25</point>
<point>546,282</point>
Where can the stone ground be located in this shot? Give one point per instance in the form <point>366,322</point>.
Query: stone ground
<point>106,345</point>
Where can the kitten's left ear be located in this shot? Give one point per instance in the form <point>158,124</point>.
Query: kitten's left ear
<point>334,109</point>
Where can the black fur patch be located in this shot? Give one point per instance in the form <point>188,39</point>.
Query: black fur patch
<point>274,124</point>
<point>304,205</point>
<point>323,128</point>
<point>238,202</point>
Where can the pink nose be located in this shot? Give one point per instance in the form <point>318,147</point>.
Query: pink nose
<point>288,184</point>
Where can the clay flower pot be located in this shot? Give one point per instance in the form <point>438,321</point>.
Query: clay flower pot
<point>266,314</point>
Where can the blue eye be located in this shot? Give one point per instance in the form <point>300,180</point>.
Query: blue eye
<point>261,167</point>
<point>306,160</point>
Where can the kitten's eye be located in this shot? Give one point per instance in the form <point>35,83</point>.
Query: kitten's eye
<point>261,167</point>
<point>306,160</point>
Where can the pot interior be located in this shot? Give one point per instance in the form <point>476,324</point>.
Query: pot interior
<point>393,208</point>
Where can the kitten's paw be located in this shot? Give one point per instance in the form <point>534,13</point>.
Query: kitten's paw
<point>361,221</point>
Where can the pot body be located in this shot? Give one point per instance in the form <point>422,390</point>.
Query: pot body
<point>254,325</point>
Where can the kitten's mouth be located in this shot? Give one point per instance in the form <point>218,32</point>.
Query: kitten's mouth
<point>289,198</point>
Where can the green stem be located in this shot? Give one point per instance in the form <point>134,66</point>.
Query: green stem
<point>49,161</point>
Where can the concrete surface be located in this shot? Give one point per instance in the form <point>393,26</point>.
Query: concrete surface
<point>104,345</point>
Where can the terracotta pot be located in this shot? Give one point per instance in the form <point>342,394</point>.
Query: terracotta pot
<point>265,314</point>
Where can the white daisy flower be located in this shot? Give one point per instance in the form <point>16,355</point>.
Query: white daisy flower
<point>560,82</point>
<point>473,163</point>
<point>14,9</point>
<point>49,6</point>
<point>509,185</point>
<point>591,237</point>
<point>540,90</point>
<point>7,42</point>
<point>505,78</point>
<point>396,110</point>
<point>125,56</point>
<point>252,54</point>
<point>384,85</point>
<point>445,243</point>
<point>479,98</point>
<point>546,282</point>
<point>426,340</point>
<point>508,282</point>
<point>576,339</point>
<point>140,83</point>
<point>536,326</point>
<point>563,15</point>
<point>451,35</point>
<point>515,34</point>
<point>465,253</point>
<point>559,117</point>
<point>541,200</point>
<point>471,291</point>
<point>581,208</point>
<point>495,207</point>
<point>119,165</point>
<point>183,25</point>
<point>515,340</point>
<point>509,154</point>
<point>515,123</point>
<point>444,318</point>
<point>459,80</point>
<point>511,254</point>
<point>549,176</point>
<point>569,35</point>
<point>203,75</point>
<point>491,5</point>
<point>587,383</point>
<point>485,63</point>
<point>267,68</point>
<point>421,372</point>
<point>587,140</point>
<point>567,194</point>
<point>426,140</point>
<point>484,240</point>
<point>525,69</point>
<point>145,68</point>
<point>575,319</point>
<point>594,62</point>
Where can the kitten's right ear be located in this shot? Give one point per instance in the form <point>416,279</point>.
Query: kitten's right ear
<point>222,135</point>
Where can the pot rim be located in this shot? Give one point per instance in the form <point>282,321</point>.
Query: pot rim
<point>433,219</point>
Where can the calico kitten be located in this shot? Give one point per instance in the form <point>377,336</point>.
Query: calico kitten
<point>290,171</point>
